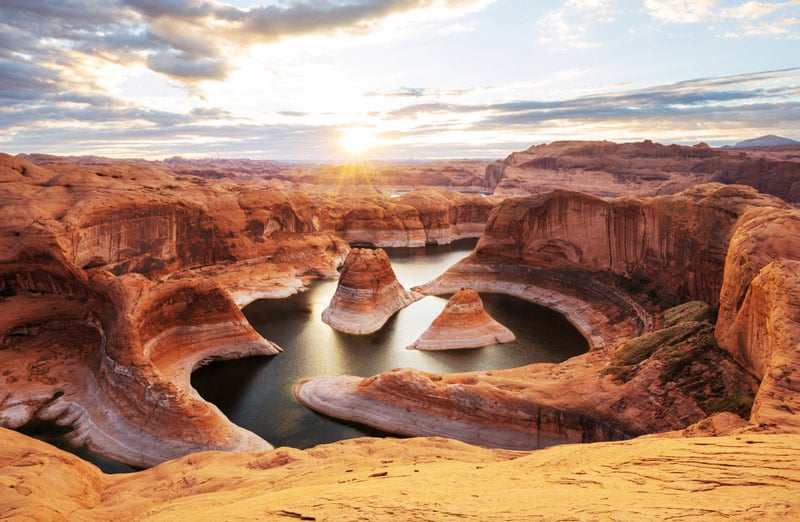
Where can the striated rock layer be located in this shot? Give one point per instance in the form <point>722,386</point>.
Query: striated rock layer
<point>611,267</point>
<point>463,324</point>
<point>610,169</point>
<point>367,295</point>
<point>746,475</point>
<point>118,279</point>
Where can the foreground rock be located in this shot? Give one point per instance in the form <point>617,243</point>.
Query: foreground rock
<point>741,476</point>
<point>612,267</point>
<point>367,295</point>
<point>463,324</point>
<point>611,169</point>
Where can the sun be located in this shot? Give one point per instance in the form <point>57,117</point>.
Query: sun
<point>357,140</point>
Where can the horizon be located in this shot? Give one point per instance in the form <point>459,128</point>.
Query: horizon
<point>391,80</point>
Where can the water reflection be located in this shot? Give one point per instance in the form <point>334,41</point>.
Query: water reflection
<point>256,393</point>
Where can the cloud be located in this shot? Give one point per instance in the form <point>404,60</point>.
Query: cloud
<point>765,100</point>
<point>777,28</point>
<point>189,40</point>
<point>569,25</point>
<point>753,10</point>
<point>681,11</point>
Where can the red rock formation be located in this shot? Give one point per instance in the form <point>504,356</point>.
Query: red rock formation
<point>646,168</point>
<point>367,295</point>
<point>106,301</point>
<point>758,312</point>
<point>111,358</point>
<point>595,259</point>
<point>448,216</point>
<point>463,324</point>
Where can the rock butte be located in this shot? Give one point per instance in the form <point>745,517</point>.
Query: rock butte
<point>367,295</point>
<point>463,324</point>
<point>610,266</point>
<point>118,279</point>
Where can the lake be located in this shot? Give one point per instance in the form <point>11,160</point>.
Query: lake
<point>256,393</point>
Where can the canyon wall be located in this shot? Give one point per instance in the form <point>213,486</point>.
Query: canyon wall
<point>675,245</point>
<point>118,279</point>
<point>611,169</point>
<point>613,267</point>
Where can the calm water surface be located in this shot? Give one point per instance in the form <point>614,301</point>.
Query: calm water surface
<point>256,393</point>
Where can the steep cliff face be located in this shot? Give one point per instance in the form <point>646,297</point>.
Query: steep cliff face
<point>616,169</point>
<point>448,216</point>
<point>675,245</point>
<point>597,261</point>
<point>367,295</point>
<point>104,357</point>
<point>759,308</point>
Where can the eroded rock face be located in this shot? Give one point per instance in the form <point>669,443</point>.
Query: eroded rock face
<point>117,279</point>
<point>758,317</point>
<point>367,295</point>
<point>611,267</point>
<point>463,324</point>
<point>675,245</point>
<point>611,169</point>
<point>110,357</point>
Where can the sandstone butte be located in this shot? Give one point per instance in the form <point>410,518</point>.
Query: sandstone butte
<point>462,324</point>
<point>367,294</point>
<point>92,253</point>
<point>646,169</point>
<point>118,279</point>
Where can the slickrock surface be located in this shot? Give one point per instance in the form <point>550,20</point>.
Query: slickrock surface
<point>611,169</point>
<point>746,476</point>
<point>463,324</point>
<point>117,279</point>
<point>367,295</point>
<point>609,265</point>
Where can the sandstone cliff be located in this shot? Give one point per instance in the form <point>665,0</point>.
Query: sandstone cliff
<point>367,295</point>
<point>462,324</point>
<point>616,169</point>
<point>611,267</point>
<point>117,279</point>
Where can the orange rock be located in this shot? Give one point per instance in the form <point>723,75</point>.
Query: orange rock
<point>463,324</point>
<point>367,295</point>
<point>645,168</point>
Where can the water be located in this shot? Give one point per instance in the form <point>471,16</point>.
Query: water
<point>256,393</point>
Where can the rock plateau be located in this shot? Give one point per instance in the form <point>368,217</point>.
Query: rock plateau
<point>367,295</point>
<point>463,324</point>
<point>611,169</point>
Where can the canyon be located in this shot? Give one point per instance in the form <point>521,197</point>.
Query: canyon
<point>121,278</point>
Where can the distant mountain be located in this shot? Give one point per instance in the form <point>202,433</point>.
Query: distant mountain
<point>770,140</point>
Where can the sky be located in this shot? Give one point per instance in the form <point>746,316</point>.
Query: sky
<point>391,79</point>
